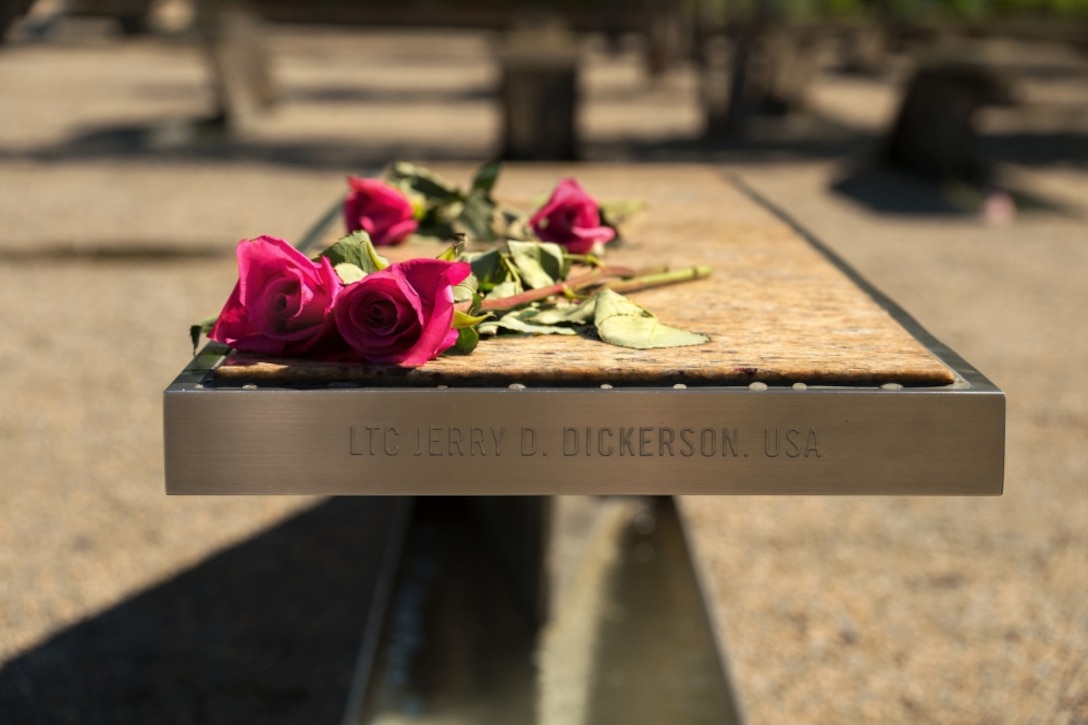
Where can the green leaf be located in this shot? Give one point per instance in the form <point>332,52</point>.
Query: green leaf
<point>540,264</point>
<point>357,249</point>
<point>418,203</point>
<point>477,218</point>
<point>461,320</point>
<point>467,339</point>
<point>201,328</point>
<point>621,322</point>
<point>486,176</point>
<point>450,253</point>
<point>488,268</point>
<point>348,272</point>
<point>422,181</point>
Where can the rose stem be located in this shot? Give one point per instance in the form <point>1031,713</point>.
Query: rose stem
<point>641,282</point>
<point>660,279</point>
<point>571,284</point>
<point>543,293</point>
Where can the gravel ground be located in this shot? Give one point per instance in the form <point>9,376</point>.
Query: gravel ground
<point>833,610</point>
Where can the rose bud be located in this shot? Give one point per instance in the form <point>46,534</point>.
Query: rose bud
<point>571,218</point>
<point>402,314</point>
<point>281,303</point>
<point>380,210</point>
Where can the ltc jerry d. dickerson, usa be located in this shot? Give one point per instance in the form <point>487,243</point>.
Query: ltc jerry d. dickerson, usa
<point>602,441</point>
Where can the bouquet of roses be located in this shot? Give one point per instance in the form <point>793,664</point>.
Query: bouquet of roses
<point>348,303</point>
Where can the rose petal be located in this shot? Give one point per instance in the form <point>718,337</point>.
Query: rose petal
<point>435,279</point>
<point>372,313</point>
<point>382,211</point>
<point>571,217</point>
<point>398,325</point>
<point>281,301</point>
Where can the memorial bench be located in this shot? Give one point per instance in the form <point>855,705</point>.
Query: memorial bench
<point>536,475</point>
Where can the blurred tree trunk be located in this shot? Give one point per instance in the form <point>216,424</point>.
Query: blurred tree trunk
<point>770,69</point>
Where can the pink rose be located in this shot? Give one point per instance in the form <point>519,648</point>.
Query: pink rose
<point>382,211</point>
<point>402,314</point>
<point>571,218</point>
<point>281,302</point>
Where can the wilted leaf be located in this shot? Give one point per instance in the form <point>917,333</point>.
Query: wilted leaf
<point>348,272</point>
<point>569,314</point>
<point>621,322</point>
<point>522,321</point>
<point>540,264</point>
<point>508,288</point>
<point>466,290</point>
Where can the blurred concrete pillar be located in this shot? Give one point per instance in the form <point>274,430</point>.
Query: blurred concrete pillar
<point>232,40</point>
<point>539,93</point>
<point>934,132</point>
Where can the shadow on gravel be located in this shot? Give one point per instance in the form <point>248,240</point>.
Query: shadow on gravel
<point>107,252</point>
<point>209,141</point>
<point>769,140</point>
<point>773,146</point>
<point>883,190</point>
<point>1037,149</point>
<point>352,94</point>
<point>265,632</point>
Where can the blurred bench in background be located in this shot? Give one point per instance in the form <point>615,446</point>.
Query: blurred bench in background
<point>753,58</point>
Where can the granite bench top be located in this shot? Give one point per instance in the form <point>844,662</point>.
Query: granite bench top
<point>776,308</point>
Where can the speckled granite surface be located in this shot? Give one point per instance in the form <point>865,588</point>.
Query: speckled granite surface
<point>775,309</point>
